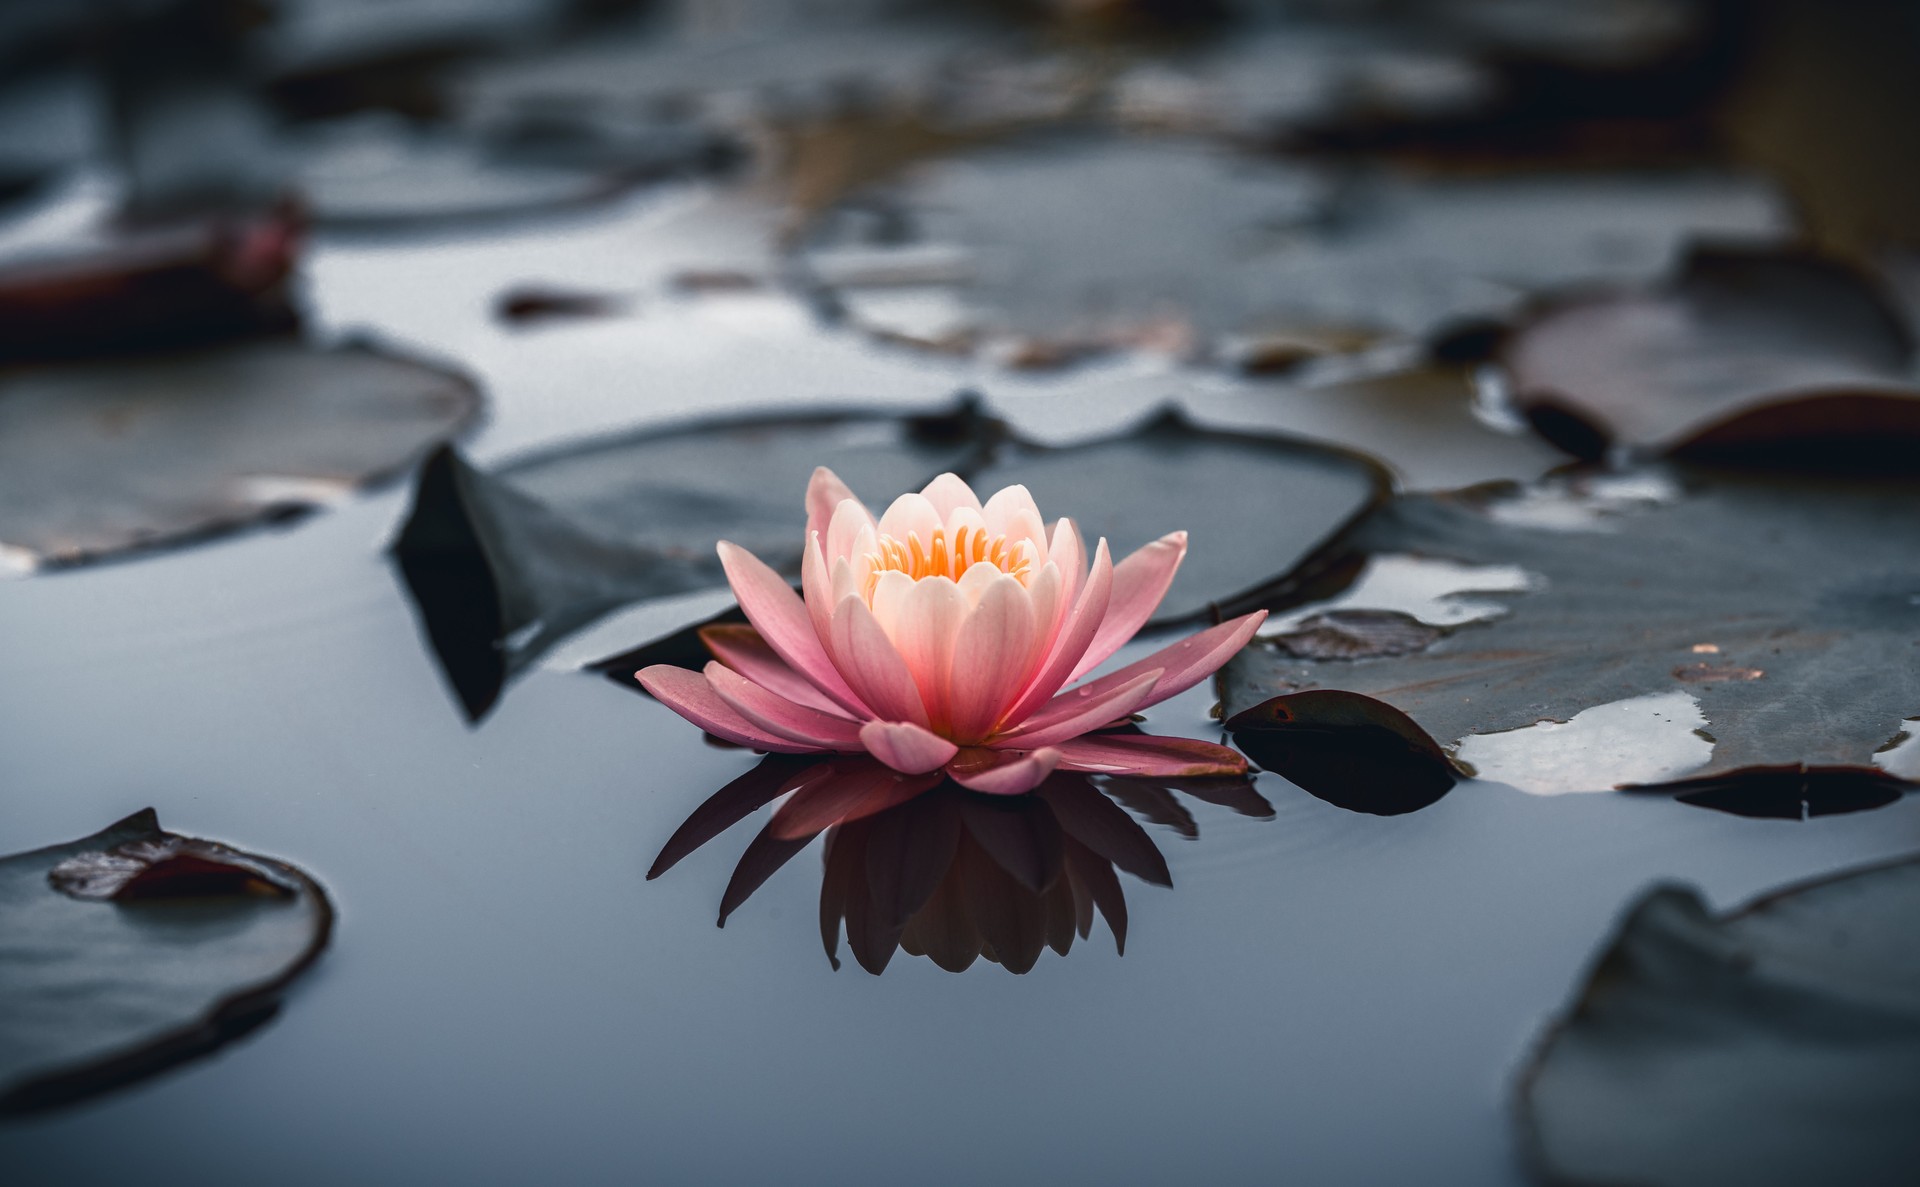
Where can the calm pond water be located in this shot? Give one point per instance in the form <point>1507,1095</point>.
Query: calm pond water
<point>1324,997</point>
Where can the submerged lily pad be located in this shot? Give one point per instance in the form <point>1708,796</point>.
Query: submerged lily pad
<point>1004,238</point>
<point>134,949</point>
<point>1778,1044</point>
<point>1787,609</point>
<point>99,458</point>
<point>502,565</point>
<point>1742,351</point>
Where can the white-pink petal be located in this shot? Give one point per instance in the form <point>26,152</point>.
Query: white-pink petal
<point>872,666</point>
<point>825,493</point>
<point>906,747</point>
<point>948,493</point>
<point>991,659</point>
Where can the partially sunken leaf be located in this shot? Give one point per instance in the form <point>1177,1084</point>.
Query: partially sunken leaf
<point>1743,353</point>
<point>1777,1045</point>
<point>1746,626</point>
<point>98,458</point>
<point>502,565</point>
<point>134,949</point>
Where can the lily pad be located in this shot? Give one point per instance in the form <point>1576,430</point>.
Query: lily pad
<point>1347,256</point>
<point>1777,1044</point>
<point>502,565</point>
<point>1740,352</point>
<point>134,949</point>
<point>102,457</point>
<point>1786,608</point>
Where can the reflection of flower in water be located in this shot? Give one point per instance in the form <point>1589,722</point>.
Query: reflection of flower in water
<point>938,637</point>
<point>921,864</point>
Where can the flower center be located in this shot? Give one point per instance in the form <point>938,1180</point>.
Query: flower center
<point>949,558</point>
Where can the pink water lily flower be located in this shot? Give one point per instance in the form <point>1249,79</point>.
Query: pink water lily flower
<point>940,637</point>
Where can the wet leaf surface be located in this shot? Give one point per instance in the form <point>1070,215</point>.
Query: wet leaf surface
<point>98,458</point>
<point>131,950</point>
<point>998,240</point>
<point>1778,1044</point>
<point>502,565</point>
<point>1742,353</point>
<point>1786,609</point>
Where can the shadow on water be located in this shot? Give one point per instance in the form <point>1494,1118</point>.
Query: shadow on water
<point>920,864</point>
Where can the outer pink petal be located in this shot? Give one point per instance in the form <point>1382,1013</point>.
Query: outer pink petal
<point>1149,756</point>
<point>872,665</point>
<point>782,620</point>
<point>825,493</point>
<point>990,659</point>
<point>1003,772</point>
<point>1075,636</point>
<point>1069,551</point>
<point>1139,582</point>
<point>1186,663</point>
<point>741,648</point>
<point>689,695</point>
<point>780,716</point>
<point>906,747</point>
<point>1074,713</point>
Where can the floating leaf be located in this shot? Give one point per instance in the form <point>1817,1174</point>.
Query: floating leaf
<point>1778,1044</point>
<point>1003,238</point>
<point>501,565</point>
<point>1787,609</point>
<point>134,949</point>
<point>1741,353</point>
<point>101,457</point>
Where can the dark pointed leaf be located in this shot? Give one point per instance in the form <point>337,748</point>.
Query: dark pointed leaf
<point>1102,826</point>
<point>762,859</point>
<point>1776,1045</point>
<point>768,780</point>
<point>1018,833</point>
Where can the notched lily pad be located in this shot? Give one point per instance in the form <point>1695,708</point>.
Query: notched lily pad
<point>129,951</point>
<point>1000,246</point>
<point>1773,623</point>
<point>502,565</point>
<point>102,457</point>
<point>1778,1044</point>
<point>1742,353</point>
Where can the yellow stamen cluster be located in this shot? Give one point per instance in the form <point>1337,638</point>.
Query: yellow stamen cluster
<point>944,558</point>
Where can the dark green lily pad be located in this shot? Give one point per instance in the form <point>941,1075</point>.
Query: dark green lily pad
<point>134,949</point>
<point>502,565</point>
<point>1004,237</point>
<point>1743,353</point>
<point>1168,475</point>
<point>1748,626</point>
<point>103,457</point>
<point>1776,1045</point>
